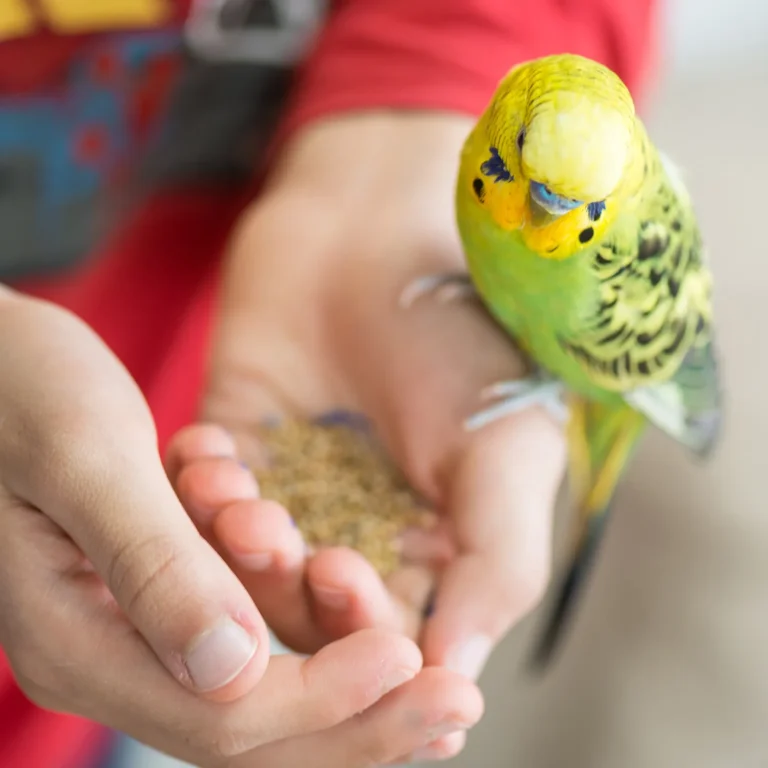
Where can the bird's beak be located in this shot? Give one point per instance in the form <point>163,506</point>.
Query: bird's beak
<point>538,216</point>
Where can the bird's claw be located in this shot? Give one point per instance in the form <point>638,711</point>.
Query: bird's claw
<point>515,396</point>
<point>511,396</point>
<point>445,288</point>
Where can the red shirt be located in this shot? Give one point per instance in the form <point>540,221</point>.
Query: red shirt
<point>439,54</point>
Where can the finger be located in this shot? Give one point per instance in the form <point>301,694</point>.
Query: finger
<point>331,594</point>
<point>435,546</point>
<point>502,500</point>
<point>51,616</point>
<point>429,708</point>
<point>207,485</point>
<point>84,450</point>
<point>197,441</point>
<point>443,748</point>
<point>268,553</point>
<point>258,538</point>
<point>497,488</point>
<point>413,586</point>
<point>173,587</point>
<point>349,595</point>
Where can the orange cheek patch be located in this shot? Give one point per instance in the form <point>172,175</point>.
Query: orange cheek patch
<point>507,202</point>
<point>559,239</point>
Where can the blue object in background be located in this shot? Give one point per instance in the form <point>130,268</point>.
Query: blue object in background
<point>62,151</point>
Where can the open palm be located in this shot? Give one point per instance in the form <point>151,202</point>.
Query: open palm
<point>309,321</point>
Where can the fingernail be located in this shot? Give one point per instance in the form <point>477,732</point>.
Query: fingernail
<point>218,655</point>
<point>338,599</point>
<point>256,561</point>
<point>437,751</point>
<point>469,658</point>
<point>397,677</point>
<point>426,754</point>
<point>444,728</point>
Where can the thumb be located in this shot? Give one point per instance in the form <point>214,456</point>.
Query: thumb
<point>79,444</point>
<point>501,500</point>
<point>169,582</point>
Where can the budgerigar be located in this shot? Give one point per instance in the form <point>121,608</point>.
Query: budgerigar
<point>581,241</point>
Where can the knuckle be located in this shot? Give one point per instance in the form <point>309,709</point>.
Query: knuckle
<point>322,711</point>
<point>139,569</point>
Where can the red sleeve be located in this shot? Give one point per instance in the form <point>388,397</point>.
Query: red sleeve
<point>450,54</point>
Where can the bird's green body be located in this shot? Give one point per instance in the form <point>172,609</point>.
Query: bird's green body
<point>536,300</point>
<point>583,244</point>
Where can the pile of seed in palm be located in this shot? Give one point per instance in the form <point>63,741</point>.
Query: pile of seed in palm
<point>340,487</point>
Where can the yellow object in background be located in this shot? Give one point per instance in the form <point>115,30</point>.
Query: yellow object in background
<point>16,19</point>
<point>78,16</point>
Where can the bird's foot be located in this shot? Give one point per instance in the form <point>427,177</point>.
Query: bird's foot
<point>515,396</point>
<point>445,288</point>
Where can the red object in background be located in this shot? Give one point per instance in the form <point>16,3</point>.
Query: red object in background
<point>151,94</point>
<point>106,69</point>
<point>91,144</point>
<point>150,295</point>
<point>39,62</point>
<point>450,54</point>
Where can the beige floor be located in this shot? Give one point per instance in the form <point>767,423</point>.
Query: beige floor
<point>667,666</point>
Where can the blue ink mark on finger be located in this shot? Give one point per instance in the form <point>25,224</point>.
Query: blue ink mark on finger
<point>429,608</point>
<point>595,210</point>
<point>344,418</point>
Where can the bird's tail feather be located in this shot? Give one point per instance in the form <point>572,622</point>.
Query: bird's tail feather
<point>600,440</point>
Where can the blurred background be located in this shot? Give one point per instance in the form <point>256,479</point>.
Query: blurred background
<point>666,664</point>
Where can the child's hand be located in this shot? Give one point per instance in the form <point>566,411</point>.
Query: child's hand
<point>310,321</point>
<point>113,606</point>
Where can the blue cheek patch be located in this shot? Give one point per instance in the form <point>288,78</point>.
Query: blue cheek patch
<point>595,210</point>
<point>495,168</point>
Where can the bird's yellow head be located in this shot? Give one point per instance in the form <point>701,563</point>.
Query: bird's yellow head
<point>549,155</point>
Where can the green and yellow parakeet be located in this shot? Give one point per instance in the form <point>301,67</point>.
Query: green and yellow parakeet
<point>581,242</point>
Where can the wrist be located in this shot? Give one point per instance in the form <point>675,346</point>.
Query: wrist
<point>364,185</point>
<point>358,198</point>
<point>353,156</point>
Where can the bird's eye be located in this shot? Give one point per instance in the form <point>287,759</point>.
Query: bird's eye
<point>557,205</point>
